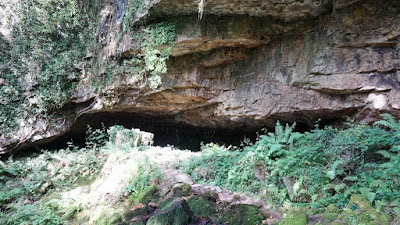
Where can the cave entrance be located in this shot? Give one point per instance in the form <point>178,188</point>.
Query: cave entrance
<point>166,130</point>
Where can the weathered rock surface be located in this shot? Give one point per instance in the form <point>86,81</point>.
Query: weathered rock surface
<point>245,71</point>
<point>289,60</point>
<point>287,10</point>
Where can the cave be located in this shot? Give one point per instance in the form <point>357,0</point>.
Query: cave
<point>167,131</point>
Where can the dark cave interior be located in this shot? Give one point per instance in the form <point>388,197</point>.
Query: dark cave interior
<point>166,131</point>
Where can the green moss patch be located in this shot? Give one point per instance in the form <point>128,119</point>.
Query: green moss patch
<point>177,214</point>
<point>109,217</point>
<point>137,212</point>
<point>294,218</point>
<point>182,190</point>
<point>167,203</point>
<point>331,213</point>
<point>242,214</point>
<point>210,196</point>
<point>147,195</point>
<point>364,212</point>
<point>202,207</point>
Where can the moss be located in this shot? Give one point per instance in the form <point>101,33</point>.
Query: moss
<point>137,223</point>
<point>331,213</point>
<point>242,215</point>
<point>210,196</point>
<point>360,202</point>
<point>182,190</point>
<point>329,216</point>
<point>294,218</point>
<point>149,194</point>
<point>167,203</point>
<point>202,207</point>
<point>108,217</point>
<point>331,208</point>
<point>365,213</point>
<point>177,214</point>
<point>137,212</point>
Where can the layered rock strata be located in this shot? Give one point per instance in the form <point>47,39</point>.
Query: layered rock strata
<point>246,64</point>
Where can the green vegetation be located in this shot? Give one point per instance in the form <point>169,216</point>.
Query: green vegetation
<point>348,175</point>
<point>109,217</point>
<point>147,195</point>
<point>241,215</point>
<point>30,186</point>
<point>182,190</point>
<point>139,189</point>
<point>27,183</point>
<point>177,214</point>
<point>56,45</point>
<point>202,207</point>
<point>39,69</point>
<point>295,218</point>
<point>314,169</point>
<point>133,7</point>
<point>156,42</point>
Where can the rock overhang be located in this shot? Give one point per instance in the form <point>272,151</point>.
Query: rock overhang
<point>231,70</point>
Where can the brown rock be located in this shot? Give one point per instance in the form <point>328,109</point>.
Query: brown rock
<point>230,70</point>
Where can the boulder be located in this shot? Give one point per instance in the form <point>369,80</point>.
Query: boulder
<point>182,190</point>
<point>294,218</point>
<point>242,214</point>
<point>177,213</point>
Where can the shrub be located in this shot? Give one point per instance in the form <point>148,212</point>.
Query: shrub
<point>316,168</point>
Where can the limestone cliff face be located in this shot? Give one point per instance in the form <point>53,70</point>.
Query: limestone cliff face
<point>246,64</point>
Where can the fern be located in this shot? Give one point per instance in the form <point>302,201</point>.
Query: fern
<point>388,121</point>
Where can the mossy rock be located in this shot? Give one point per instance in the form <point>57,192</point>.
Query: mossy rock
<point>210,196</point>
<point>140,211</point>
<point>365,213</point>
<point>329,217</point>
<point>137,223</point>
<point>331,213</point>
<point>242,214</point>
<point>202,207</point>
<point>167,203</point>
<point>147,195</point>
<point>331,208</point>
<point>295,218</point>
<point>360,202</point>
<point>182,190</point>
<point>109,217</point>
<point>178,214</point>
